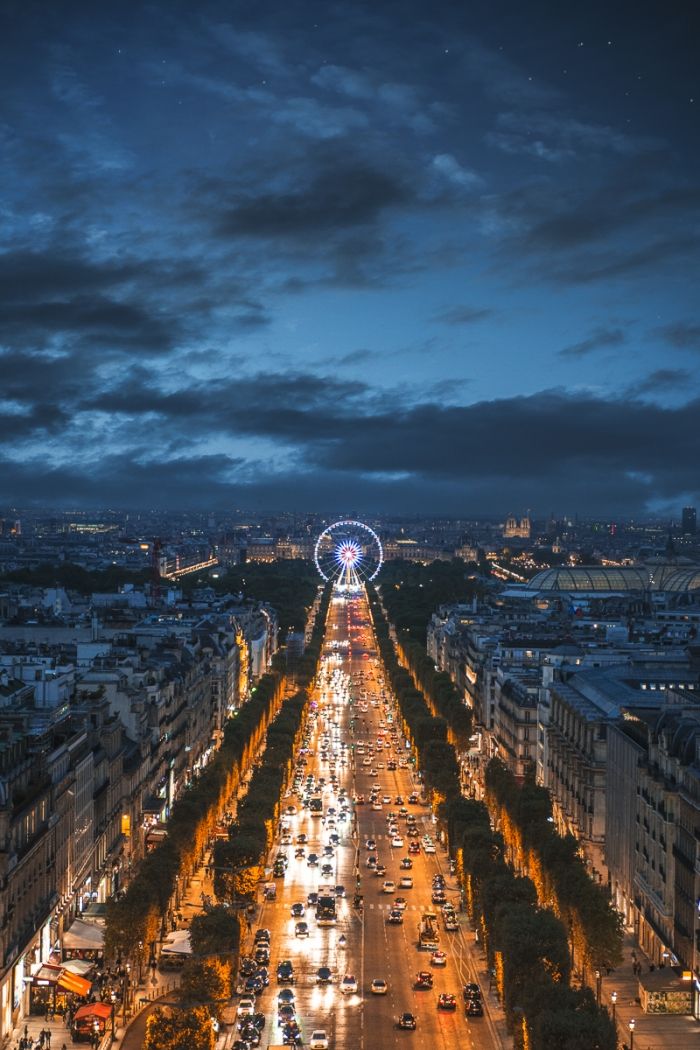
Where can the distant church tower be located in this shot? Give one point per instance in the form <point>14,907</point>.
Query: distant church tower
<point>520,529</point>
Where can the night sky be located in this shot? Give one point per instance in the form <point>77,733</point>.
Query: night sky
<point>371,257</point>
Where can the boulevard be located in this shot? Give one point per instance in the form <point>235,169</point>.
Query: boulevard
<point>353,744</point>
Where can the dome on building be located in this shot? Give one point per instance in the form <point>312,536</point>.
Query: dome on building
<point>591,578</point>
<point>683,580</point>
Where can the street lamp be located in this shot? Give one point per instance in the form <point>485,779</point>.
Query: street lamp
<point>598,982</point>
<point>613,1000</point>
<point>632,1023</point>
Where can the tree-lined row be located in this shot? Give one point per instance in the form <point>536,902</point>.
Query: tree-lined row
<point>524,815</point>
<point>239,860</point>
<point>428,734</point>
<point>526,944</point>
<point>442,694</point>
<point>135,922</point>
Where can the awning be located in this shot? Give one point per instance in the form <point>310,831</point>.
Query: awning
<point>80,966</point>
<point>93,1010</point>
<point>71,982</point>
<point>151,804</point>
<point>47,974</point>
<point>85,935</point>
<point>177,943</point>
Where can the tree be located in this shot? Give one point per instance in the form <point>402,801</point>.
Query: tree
<point>190,1029</point>
<point>206,981</point>
<point>215,932</point>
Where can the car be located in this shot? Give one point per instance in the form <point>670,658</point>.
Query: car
<point>286,995</point>
<point>429,848</point>
<point>262,956</point>
<point>446,1001</point>
<point>379,986</point>
<point>298,910</point>
<point>438,897</point>
<point>376,805</point>
<point>471,991</point>
<point>386,799</point>
<point>401,903</point>
<point>326,870</point>
<point>438,958</point>
<point>246,1008</point>
<point>348,985</point>
<point>413,833</point>
<point>286,1013</point>
<point>302,839</point>
<point>407,1022</point>
<point>395,917</point>
<point>424,980</point>
<point>324,975</point>
<point>438,882</point>
<point>451,924</point>
<point>340,890</point>
<point>397,842</point>
<point>370,844</point>
<point>406,864</point>
<point>312,860</point>
<point>474,1008</point>
<point>299,853</point>
<point>312,899</point>
<point>405,882</point>
<point>285,972</point>
<point>262,936</point>
<point>388,886</point>
<point>380,870</point>
<point>319,1040</point>
<point>414,848</point>
<point>301,929</point>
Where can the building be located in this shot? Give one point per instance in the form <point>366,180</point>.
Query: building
<point>689,521</point>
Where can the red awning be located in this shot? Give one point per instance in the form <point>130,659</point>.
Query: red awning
<point>93,1010</point>
<point>72,982</point>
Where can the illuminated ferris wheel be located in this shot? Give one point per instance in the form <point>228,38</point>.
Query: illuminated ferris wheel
<point>348,554</point>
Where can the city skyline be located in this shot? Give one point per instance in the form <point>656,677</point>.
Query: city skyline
<point>387,257</point>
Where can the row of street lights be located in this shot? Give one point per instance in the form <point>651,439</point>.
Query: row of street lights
<point>613,1000</point>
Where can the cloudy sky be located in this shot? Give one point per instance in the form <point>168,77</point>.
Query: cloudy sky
<point>388,256</point>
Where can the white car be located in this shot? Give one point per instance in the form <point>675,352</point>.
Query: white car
<point>388,886</point>
<point>379,986</point>
<point>319,1040</point>
<point>397,842</point>
<point>405,882</point>
<point>246,1008</point>
<point>429,848</point>
<point>348,985</point>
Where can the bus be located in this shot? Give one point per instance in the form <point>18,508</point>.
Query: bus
<point>325,911</point>
<point>316,806</point>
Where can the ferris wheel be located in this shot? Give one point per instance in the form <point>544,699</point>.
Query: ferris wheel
<point>348,554</point>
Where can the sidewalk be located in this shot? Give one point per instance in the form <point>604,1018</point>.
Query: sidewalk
<point>651,1031</point>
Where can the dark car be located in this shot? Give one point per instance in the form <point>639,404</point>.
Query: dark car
<point>262,956</point>
<point>423,980</point>
<point>446,1001</point>
<point>407,1022</point>
<point>298,910</point>
<point>261,936</point>
<point>474,1008</point>
<point>253,985</point>
<point>324,975</point>
<point>285,972</point>
<point>301,929</point>
<point>471,991</point>
<point>312,859</point>
<point>312,899</point>
<point>340,890</point>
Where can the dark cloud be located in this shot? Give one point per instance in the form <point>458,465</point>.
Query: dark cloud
<point>599,339</point>
<point>339,199</point>
<point>662,381</point>
<point>464,315</point>
<point>683,335</point>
